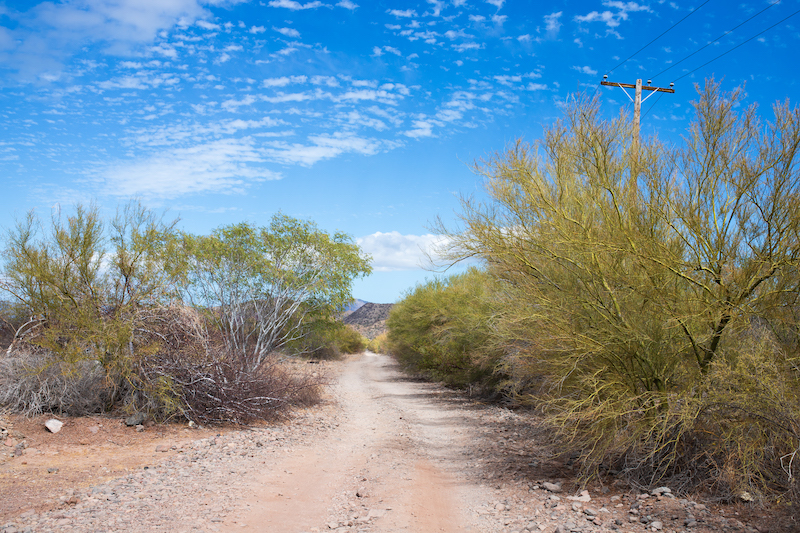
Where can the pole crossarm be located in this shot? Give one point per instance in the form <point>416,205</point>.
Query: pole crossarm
<point>632,86</point>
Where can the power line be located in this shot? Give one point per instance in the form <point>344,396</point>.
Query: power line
<point>652,106</point>
<point>660,36</point>
<point>740,44</point>
<point>709,43</point>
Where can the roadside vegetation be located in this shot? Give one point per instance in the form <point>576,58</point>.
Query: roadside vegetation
<point>131,314</point>
<point>646,300</point>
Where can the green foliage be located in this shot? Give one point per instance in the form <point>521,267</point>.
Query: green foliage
<point>379,344</point>
<point>107,329</point>
<point>266,288</point>
<point>87,287</point>
<point>441,328</point>
<point>350,341</point>
<point>649,298</point>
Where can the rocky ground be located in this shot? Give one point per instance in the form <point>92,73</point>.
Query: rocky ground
<point>384,454</point>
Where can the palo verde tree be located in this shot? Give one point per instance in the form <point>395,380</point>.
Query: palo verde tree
<point>86,285</point>
<point>660,303</point>
<point>263,286</point>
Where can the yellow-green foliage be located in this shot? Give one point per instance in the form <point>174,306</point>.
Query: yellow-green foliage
<point>649,294</point>
<point>442,328</point>
<point>350,341</point>
<point>379,344</point>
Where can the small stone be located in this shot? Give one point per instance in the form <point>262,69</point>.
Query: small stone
<point>551,487</point>
<point>661,490</point>
<point>11,442</point>
<point>94,429</point>
<point>656,525</point>
<point>500,507</point>
<point>135,420</point>
<point>162,448</point>
<point>139,428</point>
<point>700,507</point>
<point>584,497</point>
<point>53,425</point>
<point>52,470</point>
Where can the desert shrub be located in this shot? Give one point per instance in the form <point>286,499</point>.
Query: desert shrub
<point>379,344</point>
<point>223,389</point>
<point>441,329</point>
<point>350,341</point>
<point>649,294</point>
<point>34,381</point>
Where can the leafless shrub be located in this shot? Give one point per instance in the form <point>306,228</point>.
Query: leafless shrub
<point>226,390</point>
<point>33,381</point>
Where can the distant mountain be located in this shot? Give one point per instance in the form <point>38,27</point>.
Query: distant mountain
<point>369,319</point>
<point>357,304</point>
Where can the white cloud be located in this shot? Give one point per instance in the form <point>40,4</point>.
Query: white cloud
<point>219,166</point>
<point>408,13</point>
<point>477,18</point>
<point>207,25</point>
<point>283,81</point>
<point>394,251</point>
<point>613,19</point>
<point>463,47</point>
<point>289,32</point>
<point>322,147</point>
<point>421,128</point>
<point>499,19</point>
<point>46,35</point>
<point>233,105</point>
<point>553,23</point>
<point>496,3</point>
<point>257,29</point>
<point>450,34</point>
<point>438,5</point>
<point>347,4</point>
<point>295,6</point>
<point>585,70</point>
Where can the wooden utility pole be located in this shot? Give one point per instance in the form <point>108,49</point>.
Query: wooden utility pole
<point>637,107</point>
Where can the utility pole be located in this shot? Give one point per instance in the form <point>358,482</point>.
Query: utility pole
<point>637,106</point>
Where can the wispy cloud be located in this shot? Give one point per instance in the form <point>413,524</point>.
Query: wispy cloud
<point>408,13</point>
<point>553,23</point>
<point>229,165</point>
<point>295,6</point>
<point>289,32</point>
<point>585,70</point>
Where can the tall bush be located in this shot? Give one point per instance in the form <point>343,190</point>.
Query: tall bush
<point>442,328</point>
<point>647,295</point>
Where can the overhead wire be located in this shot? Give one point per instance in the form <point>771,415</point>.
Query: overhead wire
<point>740,44</point>
<point>659,36</point>
<point>709,43</point>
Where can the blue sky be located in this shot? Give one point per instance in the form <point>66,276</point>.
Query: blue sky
<point>361,116</point>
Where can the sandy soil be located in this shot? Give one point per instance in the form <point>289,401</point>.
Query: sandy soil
<point>86,452</point>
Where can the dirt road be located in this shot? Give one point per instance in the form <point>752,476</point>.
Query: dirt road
<point>395,463</point>
<point>386,454</point>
